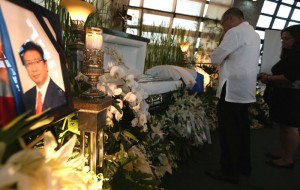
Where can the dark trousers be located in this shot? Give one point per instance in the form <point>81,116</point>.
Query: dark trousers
<point>234,128</point>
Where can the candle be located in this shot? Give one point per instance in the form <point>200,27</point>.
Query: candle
<point>93,38</point>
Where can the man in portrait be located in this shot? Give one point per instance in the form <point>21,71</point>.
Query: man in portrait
<point>46,94</point>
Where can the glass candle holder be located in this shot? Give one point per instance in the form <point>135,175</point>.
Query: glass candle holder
<point>93,38</point>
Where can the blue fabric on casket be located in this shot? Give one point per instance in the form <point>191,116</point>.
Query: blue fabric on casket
<point>199,86</point>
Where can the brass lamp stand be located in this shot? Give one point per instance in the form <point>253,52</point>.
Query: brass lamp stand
<point>92,104</point>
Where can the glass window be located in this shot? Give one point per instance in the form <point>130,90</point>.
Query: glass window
<point>284,11</point>
<point>186,24</point>
<point>279,24</point>
<point>298,4</point>
<point>296,15</point>
<point>135,16</point>
<point>157,37</point>
<point>269,7</point>
<point>215,11</point>
<point>188,7</point>
<point>292,23</point>
<point>261,34</point>
<point>291,2</point>
<point>132,31</point>
<point>135,3</point>
<point>156,20</point>
<point>201,27</point>
<point>264,21</point>
<point>205,10</point>
<point>165,5</point>
<point>198,42</point>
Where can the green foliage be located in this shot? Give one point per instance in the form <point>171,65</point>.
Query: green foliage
<point>164,49</point>
<point>11,133</point>
<point>132,181</point>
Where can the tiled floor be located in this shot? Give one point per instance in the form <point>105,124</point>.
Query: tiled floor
<point>191,176</point>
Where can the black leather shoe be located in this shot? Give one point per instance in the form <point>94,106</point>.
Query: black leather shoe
<point>219,175</point>
<point>285,166</point>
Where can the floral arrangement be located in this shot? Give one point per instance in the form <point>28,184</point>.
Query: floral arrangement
<point>142,143</point>
<point>140,146</point>
<point>47,167</point>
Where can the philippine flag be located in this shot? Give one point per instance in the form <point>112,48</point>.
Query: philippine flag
<point>7,102</point>
<point>10,98</point>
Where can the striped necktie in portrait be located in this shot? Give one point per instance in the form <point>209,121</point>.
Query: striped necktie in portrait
<point>39,105</point>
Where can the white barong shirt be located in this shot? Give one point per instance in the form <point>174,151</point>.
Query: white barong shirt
<point>238,56</point>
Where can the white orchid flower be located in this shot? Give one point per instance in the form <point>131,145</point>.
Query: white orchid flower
<point>105,78</point>
<point>144,107</point>
<point>136,107</point>
<point>117,72</point>
<point>130,82</point>
<point>115,112</point>
<point>130,97</point>
<point>118,116</point>
<point>113,90</point>
<point>109,122</point>
<point>142,119</point>
<point>139,94</point>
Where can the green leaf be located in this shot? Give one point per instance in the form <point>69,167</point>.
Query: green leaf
<point>130,135</point>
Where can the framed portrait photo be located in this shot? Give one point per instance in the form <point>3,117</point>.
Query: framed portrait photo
<point>33,54</point>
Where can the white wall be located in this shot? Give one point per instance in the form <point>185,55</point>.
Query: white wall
<point>271,50</point>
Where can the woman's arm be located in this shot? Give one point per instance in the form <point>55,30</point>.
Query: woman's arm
<point>276,79</point>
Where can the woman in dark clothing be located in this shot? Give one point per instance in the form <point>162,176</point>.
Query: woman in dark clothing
<point>283,97</point>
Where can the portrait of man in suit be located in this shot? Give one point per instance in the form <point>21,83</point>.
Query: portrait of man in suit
<point>46,93</point>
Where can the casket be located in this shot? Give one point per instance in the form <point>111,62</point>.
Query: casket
<point>132,49</point>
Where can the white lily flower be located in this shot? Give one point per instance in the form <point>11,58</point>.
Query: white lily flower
<point>165,162</point>
<point>157,131</point>
<point>144,128</point>
<point>142,164</point>
<point>134,122</point>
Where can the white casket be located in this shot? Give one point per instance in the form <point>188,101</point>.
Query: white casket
<point>158,81</point>
<point>132,49</point>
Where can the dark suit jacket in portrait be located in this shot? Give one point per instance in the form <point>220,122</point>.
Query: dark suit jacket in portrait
<point>55,97</point>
